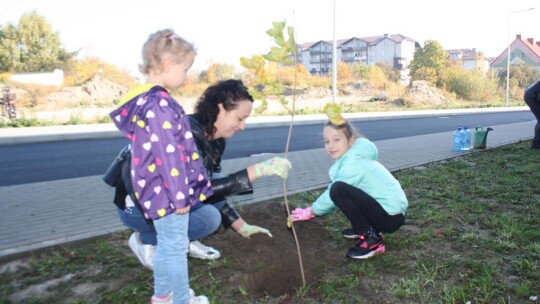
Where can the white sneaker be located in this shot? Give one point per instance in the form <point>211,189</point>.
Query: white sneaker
<point>199,251</point>
<point>192,299</point>
<point>166,300</point>
<point>199,300</point>
<point>145,253</point>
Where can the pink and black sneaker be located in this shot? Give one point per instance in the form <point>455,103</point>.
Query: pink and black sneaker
<point>368,245</point>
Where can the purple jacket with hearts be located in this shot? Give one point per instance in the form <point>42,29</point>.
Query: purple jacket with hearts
<point>166,168</point>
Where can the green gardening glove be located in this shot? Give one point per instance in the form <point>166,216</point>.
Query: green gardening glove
<point>275,166</point>
<point>248,230</point>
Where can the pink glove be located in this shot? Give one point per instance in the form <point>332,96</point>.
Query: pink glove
<point>302,214</point>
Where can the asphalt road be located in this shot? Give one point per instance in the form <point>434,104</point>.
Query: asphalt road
<point>36,162</point>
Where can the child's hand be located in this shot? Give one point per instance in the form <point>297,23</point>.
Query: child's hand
<point>302,214</point>
<point>182,210</point>
<point>275,166</point>
<point>248,230</point>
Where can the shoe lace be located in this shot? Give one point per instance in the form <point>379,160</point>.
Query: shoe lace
<point>150,252</point>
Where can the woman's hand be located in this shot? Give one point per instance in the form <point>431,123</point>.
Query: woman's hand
<point>275,166</point>
<point>246,230</point>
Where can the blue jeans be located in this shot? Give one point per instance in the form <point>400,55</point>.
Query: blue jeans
<point>170,262</point>
<point>204,220</point>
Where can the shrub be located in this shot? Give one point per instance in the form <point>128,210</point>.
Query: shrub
<point>80,71</point>
<point>471,85</point>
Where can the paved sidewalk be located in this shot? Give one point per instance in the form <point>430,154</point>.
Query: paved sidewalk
<point>39,215</point>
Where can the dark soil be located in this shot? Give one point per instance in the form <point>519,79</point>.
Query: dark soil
<point>269,267</point>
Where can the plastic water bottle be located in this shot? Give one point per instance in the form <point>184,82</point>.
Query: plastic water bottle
<point>457,143</point>
<point>467,142</point>
<point>462,138</point>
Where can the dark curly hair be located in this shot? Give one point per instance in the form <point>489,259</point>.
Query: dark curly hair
<point>226,92</point>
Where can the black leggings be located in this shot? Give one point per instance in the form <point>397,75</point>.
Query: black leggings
<point>362,210</point>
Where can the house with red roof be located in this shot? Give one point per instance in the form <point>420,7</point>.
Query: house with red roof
<point>524,51</point>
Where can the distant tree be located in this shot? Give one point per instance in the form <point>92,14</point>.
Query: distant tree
<point>469,85</point>
<point>9,51</point>
<point>521,76</point>
<point>344,74</point>
<point>80,71</point>
<point>219,71</point>
<point>480,56</point>
<point>391,73</point>
<point>377,77</point>
<point>256,74</point>
<point>429,62</point>
<point>360,71</point>
<point>425,73</point>
<point>32,46</point>
<point>287,75</point>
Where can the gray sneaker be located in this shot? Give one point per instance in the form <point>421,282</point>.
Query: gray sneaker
<point>199,251</point>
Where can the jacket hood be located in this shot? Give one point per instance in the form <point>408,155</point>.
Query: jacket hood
<point>128,106</point>
<point>364,148</point>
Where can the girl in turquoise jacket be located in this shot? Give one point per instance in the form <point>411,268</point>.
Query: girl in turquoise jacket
<point>361,187</point>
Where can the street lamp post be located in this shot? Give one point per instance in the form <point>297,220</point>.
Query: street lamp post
<point>334,60</point>
<point>509,54</point>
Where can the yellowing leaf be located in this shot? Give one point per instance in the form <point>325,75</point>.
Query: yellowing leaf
<point>333,111</point>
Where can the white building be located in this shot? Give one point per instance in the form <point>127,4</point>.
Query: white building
<point>396,51</point>
<point>470,59</point>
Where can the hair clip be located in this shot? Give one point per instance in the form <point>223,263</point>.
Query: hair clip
<point>333,111</point>
<point>173,36</point>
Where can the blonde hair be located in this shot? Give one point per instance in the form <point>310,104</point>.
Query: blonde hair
<point>161,45</point>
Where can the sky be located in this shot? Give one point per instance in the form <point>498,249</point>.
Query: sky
<point>225,31</point>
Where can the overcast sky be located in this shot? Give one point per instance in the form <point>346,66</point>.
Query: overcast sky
<point>224,31</point>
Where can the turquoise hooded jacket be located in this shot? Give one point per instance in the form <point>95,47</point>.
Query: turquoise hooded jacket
<point>359,167</point>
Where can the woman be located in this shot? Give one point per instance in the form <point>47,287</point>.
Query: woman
<point>532,99</point>
<point>220,112</point>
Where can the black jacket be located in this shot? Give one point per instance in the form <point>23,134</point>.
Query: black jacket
<point>211,153</point>
<point>235,183</point>
<point>532,93</point>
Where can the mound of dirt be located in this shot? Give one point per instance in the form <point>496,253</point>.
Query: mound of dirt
<point>422,92</point>
<point>97,89</point>
<point>313,99</point>
<point>265,266</point>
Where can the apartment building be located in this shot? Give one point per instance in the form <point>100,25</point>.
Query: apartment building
<point>395,51</point>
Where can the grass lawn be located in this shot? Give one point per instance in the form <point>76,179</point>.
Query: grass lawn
<point>472,235</point>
